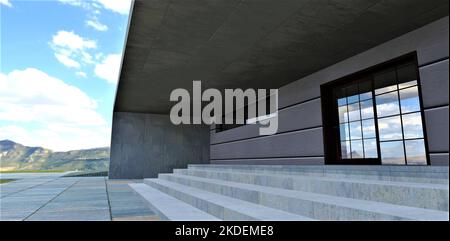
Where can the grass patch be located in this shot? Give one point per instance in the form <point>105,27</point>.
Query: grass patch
<point>2,181</point>
<point>33,171</point>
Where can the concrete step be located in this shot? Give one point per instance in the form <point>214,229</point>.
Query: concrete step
<point>416,174</point>
<point>313,205</point>
<point>422,195</point>
<point>170,208</point>
<point>223,207</point>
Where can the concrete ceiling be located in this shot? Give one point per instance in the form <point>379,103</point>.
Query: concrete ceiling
<point>251,43</point>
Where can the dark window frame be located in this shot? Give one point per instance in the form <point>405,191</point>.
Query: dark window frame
<point>332,141</point>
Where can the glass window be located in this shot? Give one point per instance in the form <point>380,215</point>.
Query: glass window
<point>367,109</point>
<point>370,148</point>
<point>407,84</point>
<point>342,101</point>
<point>368,127</point>
<point>380,117</point>
<point>409,100</point>
<point>345,150</point>
<point>343,114</point>
<point>354,112</point>
<point>406,73</point>
<point>387,104</point>
<point>412,126</point>
<point>385,82</point>
<point>357,149</point>
<point>352,99</point>
<point>392,153</point>
<point>390,128</point>
<point>365,96</point>
<point>345,132</point>
<point>355,130</point>
<point>415,152</point>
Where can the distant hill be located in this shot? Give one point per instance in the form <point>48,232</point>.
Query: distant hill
<point>14,156</point>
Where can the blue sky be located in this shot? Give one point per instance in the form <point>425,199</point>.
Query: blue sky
<point>60,61</point>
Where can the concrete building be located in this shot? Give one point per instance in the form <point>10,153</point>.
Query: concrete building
<point>363,95</point>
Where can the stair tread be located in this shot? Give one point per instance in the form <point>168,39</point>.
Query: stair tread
<point>383,168</point>
<point>335,179</point>
<point>170,207</point>
<point>250,209</point>
<point>418,174</point>
<point>378,207</point>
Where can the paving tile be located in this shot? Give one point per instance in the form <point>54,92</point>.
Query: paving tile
<point>43,197</point>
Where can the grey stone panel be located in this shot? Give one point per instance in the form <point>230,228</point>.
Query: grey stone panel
<point>298,117</point>
<point>434,80</point>
<point>439,159</point>
<point>144,145</point>
<point>305,143</point>
<point>437,129</point>
<point>274,161</point>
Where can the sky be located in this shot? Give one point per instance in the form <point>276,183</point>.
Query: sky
<point>59,67</point>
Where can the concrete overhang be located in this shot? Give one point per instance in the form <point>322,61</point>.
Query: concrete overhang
<point>251,43</point>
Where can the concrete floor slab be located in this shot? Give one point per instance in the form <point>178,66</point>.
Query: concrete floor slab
<point>39,197</point>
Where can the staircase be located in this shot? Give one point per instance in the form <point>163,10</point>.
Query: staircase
<point>253,192</point>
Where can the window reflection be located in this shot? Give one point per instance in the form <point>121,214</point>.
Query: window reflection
<point>342,101</point>
<point>367,109</point>
<point>345,150</point>
<point>370,148</point>
<point>385,89</point>
<point>352,99</point>
<point>392,153</point>
<point>345,132</point>
<point>407,84</point>
<point>415,152</point>
<point>365,96</point>
<point>412,125</point>
<point>343,115</point>
<point>409,100</point>
<point>353,112</point>
<point>387,104</point>
<point>368,127</point>
<point>390,128</point>
<point>355,130</point>
<point>357,149</point>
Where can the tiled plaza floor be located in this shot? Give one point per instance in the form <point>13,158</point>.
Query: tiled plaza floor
<point>53,197</point>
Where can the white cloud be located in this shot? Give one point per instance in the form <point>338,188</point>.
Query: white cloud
<point>71,49</point>
<point>63,117</point>
<point>118,6</point>
<point>6,3</point>
<point>109,68</point>
<point>67,61</point>
<point>81,74</point>
<point>72,41</point>
<point>57,138</point>
<point>94,23</point>
<point>78,3</point>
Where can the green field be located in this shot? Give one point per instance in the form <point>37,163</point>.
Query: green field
<point>5,180</point>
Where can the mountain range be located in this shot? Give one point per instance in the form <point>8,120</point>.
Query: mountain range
<point>16,157</point>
